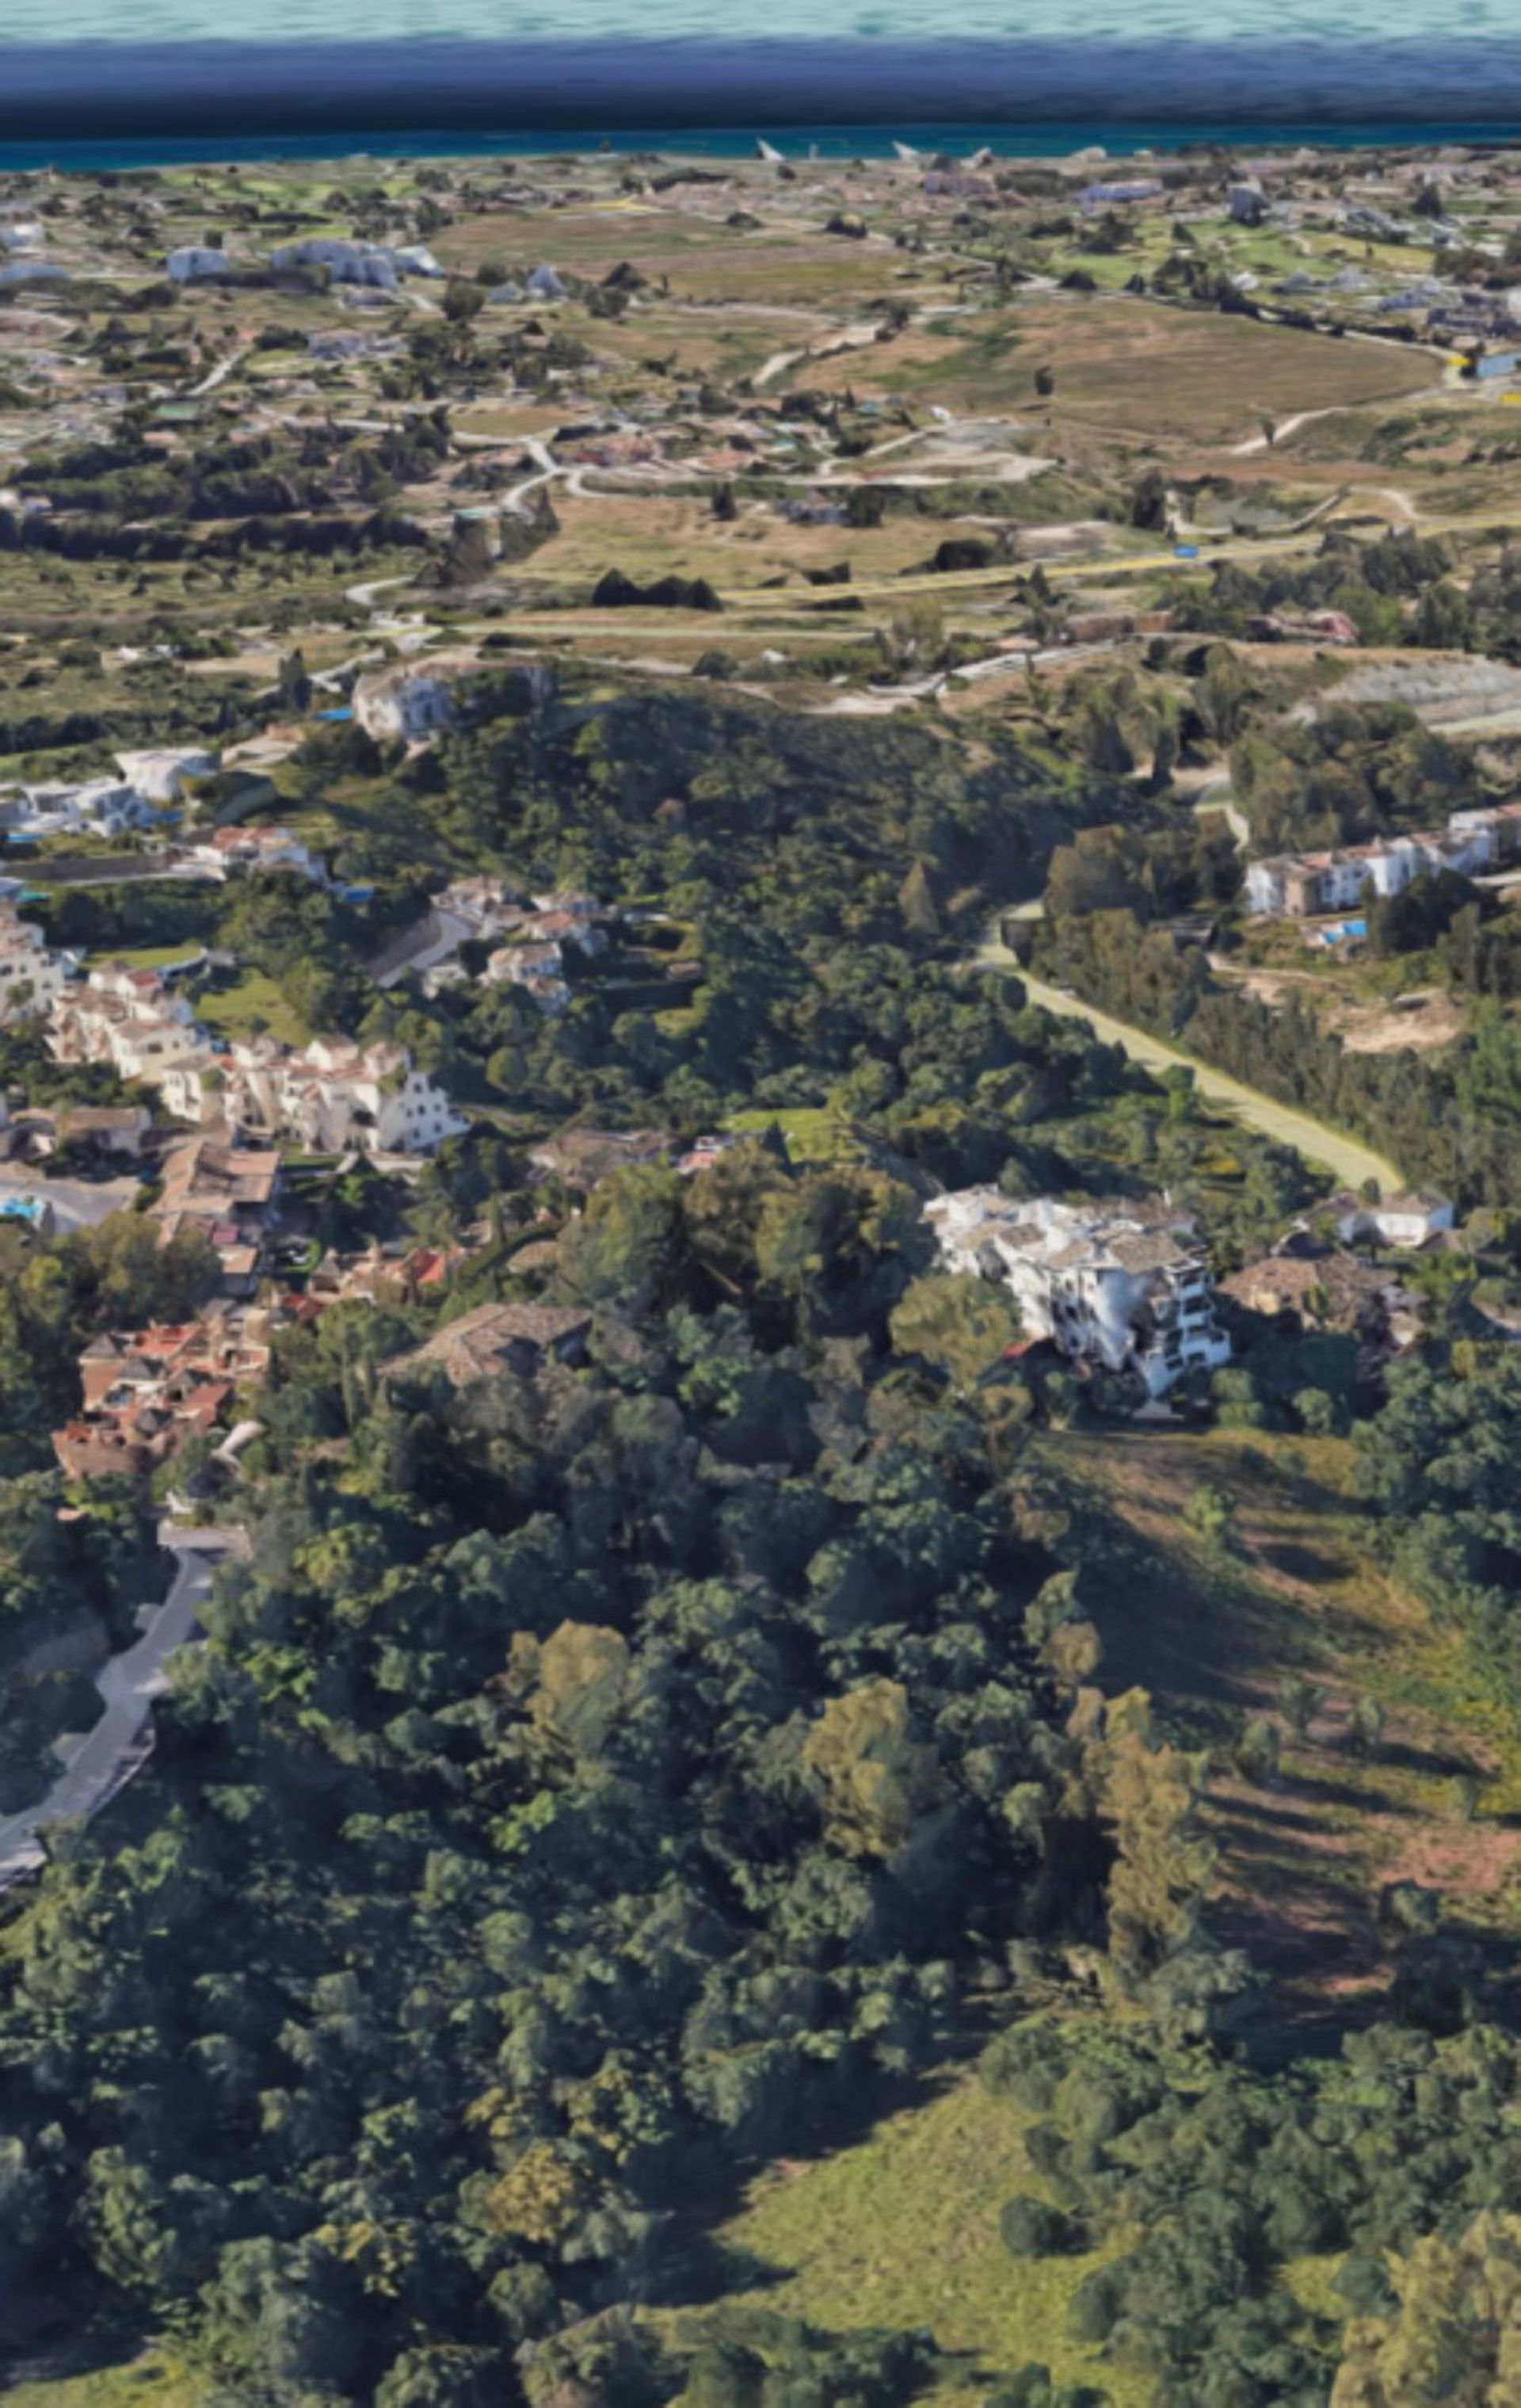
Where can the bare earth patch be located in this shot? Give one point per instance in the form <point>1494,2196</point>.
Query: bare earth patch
<point>1422,1021</point>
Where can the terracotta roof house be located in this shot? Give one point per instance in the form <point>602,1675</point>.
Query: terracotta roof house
<point>495,1338</point>
<point>146,1391</point>
<point>1326,1291</point>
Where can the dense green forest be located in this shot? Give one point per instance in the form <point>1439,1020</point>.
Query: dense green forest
<point>591,1785</point>
<point>600,1780</point>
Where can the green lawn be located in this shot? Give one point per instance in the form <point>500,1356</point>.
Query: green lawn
<point>154,2380</point>
<point>902,2230</point>
<point>234,1011</point>
<point>146,957</point>
<point>814,1133</point>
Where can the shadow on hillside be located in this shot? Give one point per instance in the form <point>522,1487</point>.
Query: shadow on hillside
<point>1435,1764</point>
<point>697,2268</point>
<point>1293,1560</point>
<point>45,2337</point>
<point>1328,1790</point>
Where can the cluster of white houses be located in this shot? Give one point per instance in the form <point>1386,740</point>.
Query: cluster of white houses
<point>540,933</point>
<point>331,1097</point>
<point>1297,885</point>
<point>147,785</point>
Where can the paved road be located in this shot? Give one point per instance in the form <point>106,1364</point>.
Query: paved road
<point>128,1684</point>
<point>1342,1156</point>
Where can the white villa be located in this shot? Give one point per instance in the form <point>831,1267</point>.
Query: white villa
<point>1121,1286</point>
<point>99,807</point>
<point>1296,886</point>
<point>406,703</point>
<point>1401,1221</point>
<point>538,969</point>
<point>163,777</point>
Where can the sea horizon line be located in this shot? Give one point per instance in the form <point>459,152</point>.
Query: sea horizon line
<point>837,90</point>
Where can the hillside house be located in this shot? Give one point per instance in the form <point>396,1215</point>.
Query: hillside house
<point>1329,1288</point>
<point>104,1132</point>
<point>495,1338</point>
<point>166,776</point>
<point>146,1392</point>
<point>250,849</point>
<point>375,263</point>
<point>1117,1285</point>
<point>105,806</point>
<point>228,1191</point>
<point>196,262</point>
<point>1297,885</point>
<point>538,969</point>
<point>392,1273</point>
<point>403,703</point>
<point>1400,1221</point>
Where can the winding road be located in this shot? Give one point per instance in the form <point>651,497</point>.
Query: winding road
<point>128,1684</point>
<point>1344,1157</point>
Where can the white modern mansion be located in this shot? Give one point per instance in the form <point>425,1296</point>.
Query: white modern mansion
<point>1122,1285</point>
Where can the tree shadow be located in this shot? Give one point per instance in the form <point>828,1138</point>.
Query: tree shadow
<point>698,2267</point>
<point>1290,1557</point>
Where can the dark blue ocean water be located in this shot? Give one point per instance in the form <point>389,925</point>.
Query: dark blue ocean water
<point>409,75</point>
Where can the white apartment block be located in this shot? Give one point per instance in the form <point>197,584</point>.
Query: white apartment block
<point>130,1018</point>
<point>32,976</point>
<point>336,1096</point>
<point>1124,1286</point>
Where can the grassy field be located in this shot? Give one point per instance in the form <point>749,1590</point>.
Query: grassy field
<point>813,1132</point>
<point>654,534</point>
<point>902,2230</point>
<point>705,259</point>
<point>237,1011</point>
<point>1210,1635</point>
<point>154,2380</point>
<point>1131,367</point>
